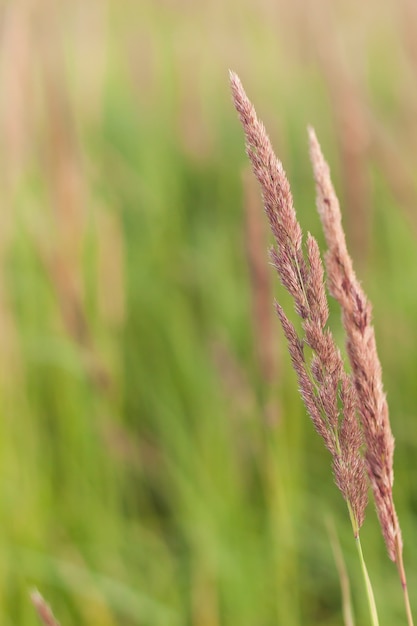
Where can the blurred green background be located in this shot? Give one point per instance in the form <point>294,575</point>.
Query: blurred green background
<point>157,467</point>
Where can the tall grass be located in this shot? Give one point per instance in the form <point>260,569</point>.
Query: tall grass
<point>150,472</point>
<point>349,410</point>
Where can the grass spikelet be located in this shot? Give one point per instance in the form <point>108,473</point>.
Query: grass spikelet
<point>324,386</point>
<point>364,360</point>
<point>43,609</point>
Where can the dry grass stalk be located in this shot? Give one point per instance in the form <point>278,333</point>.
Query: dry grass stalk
<point>325,387</point>
<point>363,357</point>
<point>43,609</point>
<point>332,397</point>
<point>361,348</point>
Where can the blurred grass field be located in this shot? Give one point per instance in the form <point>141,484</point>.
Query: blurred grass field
<point>157,466</point>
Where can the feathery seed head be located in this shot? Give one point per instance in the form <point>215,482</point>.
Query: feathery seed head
<point>326,390</point>
<point>362,352</point>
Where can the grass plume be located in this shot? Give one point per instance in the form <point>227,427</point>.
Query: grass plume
<point>333,397</point>
<point>43,609</point>
<point>364,361</point>
<point>325,387</point>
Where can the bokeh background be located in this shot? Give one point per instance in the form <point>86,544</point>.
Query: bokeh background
<point>157,467</point>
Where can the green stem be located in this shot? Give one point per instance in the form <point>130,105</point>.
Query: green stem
<point>347,609</point>
<point>369,591</point>
<point>368,586</point>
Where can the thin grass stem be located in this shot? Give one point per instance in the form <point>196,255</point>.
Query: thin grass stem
<point>401,571</point>
<point>347,608</point>
<point>369,591</point>
<point>368,586</point>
